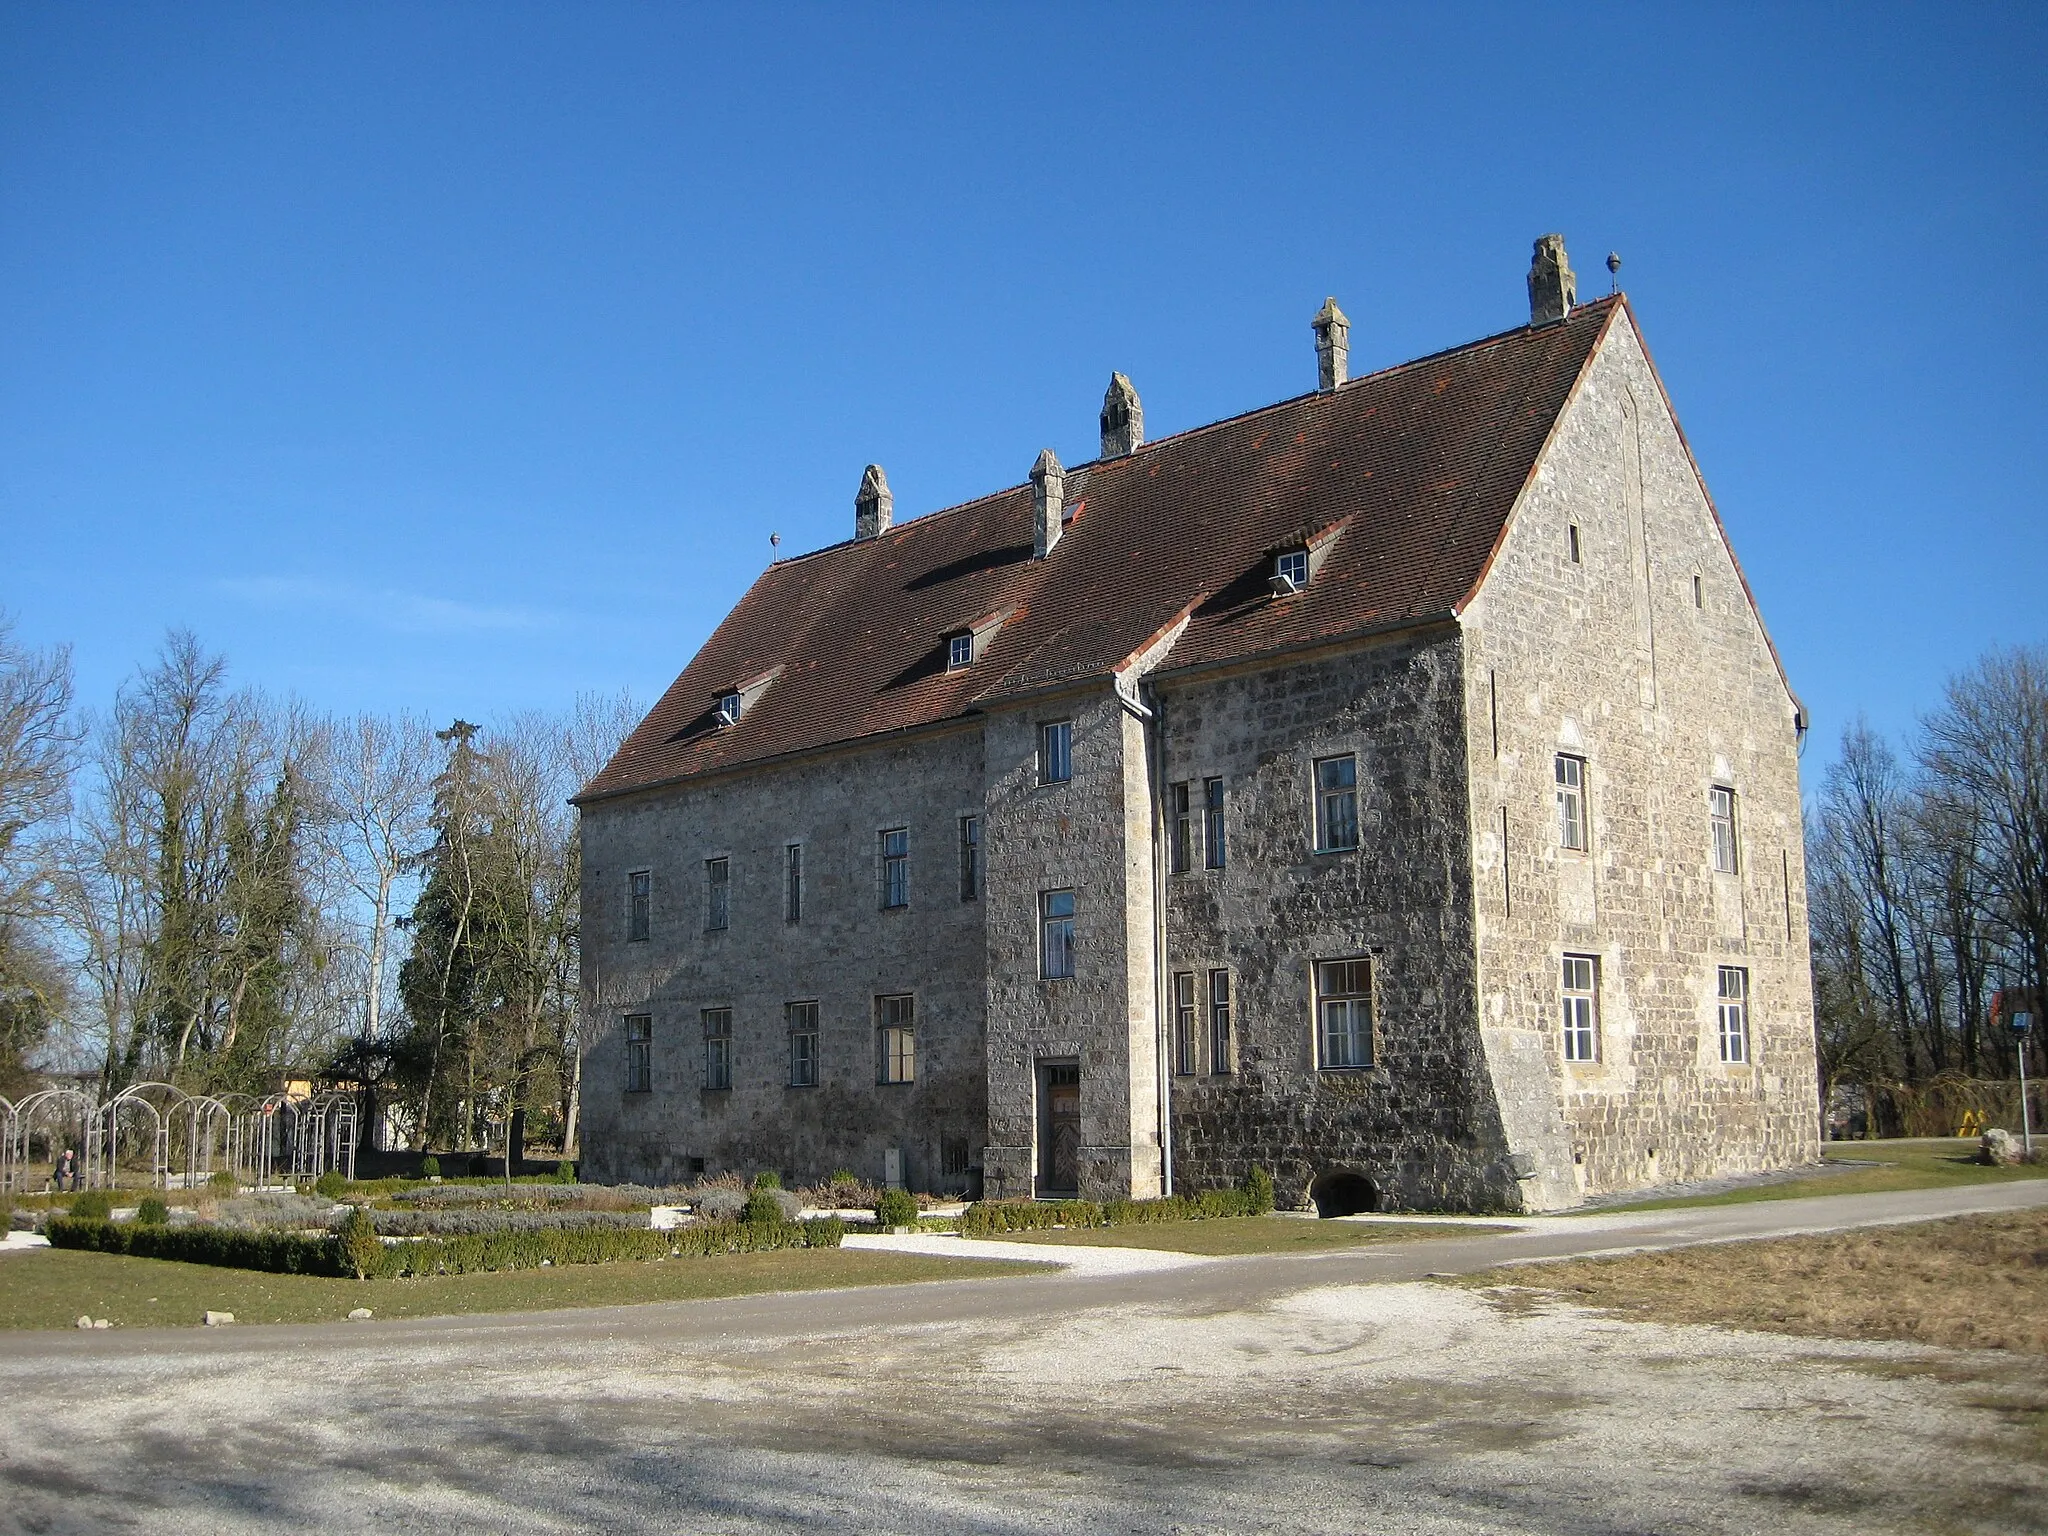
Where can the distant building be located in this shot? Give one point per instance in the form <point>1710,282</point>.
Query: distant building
<point>1394,787</point>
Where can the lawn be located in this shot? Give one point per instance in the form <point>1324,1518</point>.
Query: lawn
<point>1970,1282</point>
<point>1937,1163</point>
<point>1226,1235</point>
<point>49,1288</point>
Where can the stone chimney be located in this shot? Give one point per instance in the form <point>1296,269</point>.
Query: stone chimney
<point>874,507</point>
<point>1123,418</point>
<point>1333,346</point>
<point>1553,289</point>
<point>1048,499</point>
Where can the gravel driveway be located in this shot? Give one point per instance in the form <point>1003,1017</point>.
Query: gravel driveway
<point>1324,1393</point>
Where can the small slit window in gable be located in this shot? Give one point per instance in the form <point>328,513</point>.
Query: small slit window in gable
<point>1699,593</point>
<point>1571,539</point>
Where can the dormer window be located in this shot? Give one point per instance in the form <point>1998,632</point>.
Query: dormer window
<point>959,652</point>
<point>1290,571</point>
<point>737,699</point>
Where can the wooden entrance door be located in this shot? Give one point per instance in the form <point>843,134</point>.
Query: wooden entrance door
<point>1060,1138</point>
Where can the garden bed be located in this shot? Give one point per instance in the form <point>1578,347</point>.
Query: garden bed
<point>301,1253</point>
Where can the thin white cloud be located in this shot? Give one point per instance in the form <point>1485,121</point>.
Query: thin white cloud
<point>384,607</point>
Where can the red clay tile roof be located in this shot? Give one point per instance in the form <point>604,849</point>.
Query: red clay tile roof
<point>1420,465</point>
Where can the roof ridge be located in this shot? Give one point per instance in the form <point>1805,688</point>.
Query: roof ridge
<point>1607,301</point>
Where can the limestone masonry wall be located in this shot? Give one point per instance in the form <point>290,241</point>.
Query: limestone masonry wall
<point>1420,1123</point>
<point>1612,659</point>
<point>844,953</point>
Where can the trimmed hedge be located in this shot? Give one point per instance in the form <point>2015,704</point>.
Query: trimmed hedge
<point>292,1253</point>
<point>985,1218</point>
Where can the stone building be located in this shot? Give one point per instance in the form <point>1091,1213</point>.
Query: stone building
<point>1393,787</point>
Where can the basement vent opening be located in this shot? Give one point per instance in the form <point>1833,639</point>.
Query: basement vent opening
<point>1344,1192</point>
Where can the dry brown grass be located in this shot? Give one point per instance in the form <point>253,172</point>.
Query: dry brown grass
<point>1971,1282</point>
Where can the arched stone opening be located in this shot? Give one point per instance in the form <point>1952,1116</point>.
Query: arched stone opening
<point>1344,1192</point>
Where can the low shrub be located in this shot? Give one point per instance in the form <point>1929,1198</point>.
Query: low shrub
<point>845,1178</point>
<point>987,1217</point>
<point>718,1204</point>
<point>152,1212</point>
<point>93,1205</point>
<point>896,1208</point>
<point>767,1204</point>
<point>767,1178</point>
<point>565,1172</point>
<point>283,1253</point>
<point>293,1253</point>
<point>330,1184</point>
<point>361,1248</point>
<point>223,1182</point>
<point>475,1223</point>
<point>430,1167</point>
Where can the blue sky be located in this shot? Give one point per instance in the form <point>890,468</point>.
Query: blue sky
<point>460,357</point>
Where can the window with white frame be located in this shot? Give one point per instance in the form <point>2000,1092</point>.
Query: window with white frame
<point>896,1038</point>
<point>1212,823</point>
<point>1056,935</point>
<point>960,652</point>
<point>1181,839</point>
<point>896,867</point>
<point>803,1044</point>
<point>717,894</point>
<point>639,1053</point>
<point>639,905</point>
<point>1721,819</point>
<point>1344,1013</point>
<point>793,883</point>
<point>970,858</point>
<point>1733,1010</point>
<point>1056,752</point>
<point>718,1048</point>
<point>1336,803</point>
<point>1184,1022</point>
<point>1292,565</point>
<point>729,709</point>
<point>1581,978</point>
<point>1222,1059</point>
<point>1571,802</point>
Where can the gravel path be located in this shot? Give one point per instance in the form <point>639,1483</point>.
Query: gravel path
<point>1320,1393</point>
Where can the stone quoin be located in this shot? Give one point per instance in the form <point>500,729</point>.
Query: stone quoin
<point>1394,788</point>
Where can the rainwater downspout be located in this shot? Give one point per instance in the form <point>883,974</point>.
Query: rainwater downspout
<point>1155,734</point>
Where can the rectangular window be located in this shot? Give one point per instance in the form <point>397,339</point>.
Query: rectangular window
<point>1571,802</point>
<point>1221,1057</point>
<point>1181,837</point>
<point>896,867</point>
<point>1056,935</point>
<point>793,883</point>
<point>1212,822</point>
<point>1572,542</point>
<point>639,905</point>
<point>1184,1022</point>
<point>1581,1008</point>
<point>639,1053</point>
<point>803,1044</point>
<point>895,1022</point>
<point>970,858</point>
<point>960,652</point>
<point>1344,1012</point>
<point>1336,803</point>
<point>717,893</point>
<point>717,1048</point>
<point>1056,752</point>
<point>1293,565</point>
<point>1734,1013</point>
<point>953,1155</point>
<point>1721,817</point>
